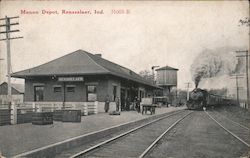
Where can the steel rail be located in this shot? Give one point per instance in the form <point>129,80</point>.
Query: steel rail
<point>248,145</point>
<point>234,122</point>
<point>120,135</point>
<point>160,137</point>
<point>77,137</point>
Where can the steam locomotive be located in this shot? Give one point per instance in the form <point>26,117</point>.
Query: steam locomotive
<point>200,98</point>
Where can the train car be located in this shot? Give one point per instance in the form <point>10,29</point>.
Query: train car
<point>201,98</point>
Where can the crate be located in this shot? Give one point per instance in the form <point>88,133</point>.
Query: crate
<point>71,115</point>
<point>57,115</point>
<point>42,118</point>
<point>5,117</point>
<point>147,101</point>
<point>24,118</point>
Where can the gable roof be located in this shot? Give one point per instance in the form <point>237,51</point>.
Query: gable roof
<point>15,88</point>
<point>81,63</point>
<point>167,68</point>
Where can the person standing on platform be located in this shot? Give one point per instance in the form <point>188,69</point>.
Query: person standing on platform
<point>106,106</point>
<point>138,108</point>
<point>117,102</point>
<point>127,103</point>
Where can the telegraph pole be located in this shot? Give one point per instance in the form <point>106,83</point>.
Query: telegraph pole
<point>1,70</point>
<point>237,76</point>
<point>7,38</point>
<point>246,55</point>
<point>188,85</point>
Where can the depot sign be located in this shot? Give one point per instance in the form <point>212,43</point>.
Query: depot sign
<point>70,79</point>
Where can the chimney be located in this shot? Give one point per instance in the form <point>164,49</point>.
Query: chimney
<point>99,55</point>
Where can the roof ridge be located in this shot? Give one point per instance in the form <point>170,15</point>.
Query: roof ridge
<point>48,61</point>
<point>87,53</point>
<point>112,63</point>
<point>121,67</point>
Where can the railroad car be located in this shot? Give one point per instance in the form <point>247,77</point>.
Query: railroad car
<point>200,98</point>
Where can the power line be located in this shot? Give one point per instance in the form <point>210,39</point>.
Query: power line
<point>7,38</point>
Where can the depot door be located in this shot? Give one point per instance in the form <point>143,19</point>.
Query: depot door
<point>123,98</point>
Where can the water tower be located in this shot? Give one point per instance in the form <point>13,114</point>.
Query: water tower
<point>166,78</point>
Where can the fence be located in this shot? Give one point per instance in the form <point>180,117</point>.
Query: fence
<point>22,113</point>
<point>244,105</point>
<point>5,114</point>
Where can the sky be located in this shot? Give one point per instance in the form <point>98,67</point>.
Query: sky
<point>149,33</point>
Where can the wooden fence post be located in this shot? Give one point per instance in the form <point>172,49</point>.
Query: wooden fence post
<point>34,107</point>
<point>13,113</point>
<point>39,108</point>
<point>85,109</point>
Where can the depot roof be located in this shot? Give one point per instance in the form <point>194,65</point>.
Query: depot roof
<point>81,63</point>
<point>167,68</point>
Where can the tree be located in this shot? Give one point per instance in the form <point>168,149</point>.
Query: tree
<point>146,74</point>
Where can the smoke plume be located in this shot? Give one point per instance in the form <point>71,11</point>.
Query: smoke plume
<point>213,63</point>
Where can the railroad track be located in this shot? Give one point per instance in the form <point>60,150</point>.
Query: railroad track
<point>136,142</point>
<point>237,130</point>
<point>232,121</point>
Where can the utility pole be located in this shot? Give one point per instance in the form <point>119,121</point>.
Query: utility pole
<point>7,33</point>
<point>153,73</point>
<point>237,76</point>
<point>246,55</point>
<point>1,70</point>
<point>188,85</point>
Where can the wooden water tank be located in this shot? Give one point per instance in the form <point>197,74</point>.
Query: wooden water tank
<point>166,76</point>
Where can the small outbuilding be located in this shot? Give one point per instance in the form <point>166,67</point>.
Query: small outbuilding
<point>17,91</point>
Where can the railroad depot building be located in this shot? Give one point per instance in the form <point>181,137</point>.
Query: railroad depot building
<point>83,77</point>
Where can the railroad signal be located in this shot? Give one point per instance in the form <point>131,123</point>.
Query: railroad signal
<point>7,38</point>
<point>153,73</point>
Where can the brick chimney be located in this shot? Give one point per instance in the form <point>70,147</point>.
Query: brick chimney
<point>100,55</point>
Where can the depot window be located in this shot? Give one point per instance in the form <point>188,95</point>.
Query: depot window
<point>70,88</point>
<point>57,89</point>
<point>91,93</point>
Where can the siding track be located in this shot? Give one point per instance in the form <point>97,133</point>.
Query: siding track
<point>237,130</point>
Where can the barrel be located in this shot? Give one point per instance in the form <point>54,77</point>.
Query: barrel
<point>71,115</point>
<point>42,118</point>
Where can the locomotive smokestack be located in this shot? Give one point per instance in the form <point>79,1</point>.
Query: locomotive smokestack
<point>197,81</point>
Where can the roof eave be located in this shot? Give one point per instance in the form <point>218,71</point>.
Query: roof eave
<point>47,75</point>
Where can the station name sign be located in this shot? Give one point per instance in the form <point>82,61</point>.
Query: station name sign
<point>71,79</point>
